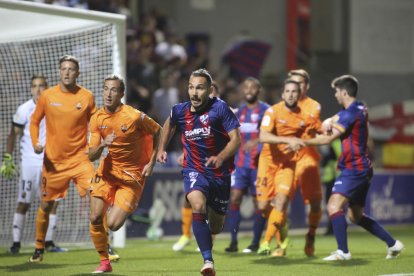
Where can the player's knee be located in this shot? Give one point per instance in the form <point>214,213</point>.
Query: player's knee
<point>333,209</point>
<point>216,228</point>
<point>96,218</point>
<point>198,207</point>
<point>22,208</point>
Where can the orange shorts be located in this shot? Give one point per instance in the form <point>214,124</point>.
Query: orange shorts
<point>121,193</point>
<point>275,178</point>
<point>308,176</point>
<point>56,178</point>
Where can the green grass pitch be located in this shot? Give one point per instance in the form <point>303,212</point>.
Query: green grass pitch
<point>143,257</point>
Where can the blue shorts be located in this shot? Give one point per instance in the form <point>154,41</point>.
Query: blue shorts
<point>353,185</point>
<point>244,179</point>
<point>215,189</point>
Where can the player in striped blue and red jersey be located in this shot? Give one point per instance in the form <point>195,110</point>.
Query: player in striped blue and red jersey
<point>210,138</point>
<point>351,186</point>
<point>250,114</point>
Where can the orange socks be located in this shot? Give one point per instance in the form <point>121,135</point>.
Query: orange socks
<point>314,219</point>
<point>187,218</point>
<point>42,222</point>
<point>100,240</point>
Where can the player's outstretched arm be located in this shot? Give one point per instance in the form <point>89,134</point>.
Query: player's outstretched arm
<point>293,143</point>
<point>229,150</point>
<point>323,139</point>
<point>167,133</point>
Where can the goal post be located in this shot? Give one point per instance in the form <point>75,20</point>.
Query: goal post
<point>33,37</point>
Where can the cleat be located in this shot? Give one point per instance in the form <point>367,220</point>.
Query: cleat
<point>113,256</point>
<point>105,266</point>
<point>37,256</point>
<point>181,243</point>
<point>338,255</point>
<point>50,246</point>
<point>232,248</point>
<point>264,248</point>
<point>251,248</point>
<point>310,245</point>
<point>208,269</point>
<point>395,250</point>
<point>279,252</point>
<point>15,248</point>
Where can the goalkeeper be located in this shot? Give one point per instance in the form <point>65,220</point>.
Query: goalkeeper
<point>30,167</point>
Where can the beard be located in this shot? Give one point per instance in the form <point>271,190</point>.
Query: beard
<point>291,106</point>
<point>251,99</point>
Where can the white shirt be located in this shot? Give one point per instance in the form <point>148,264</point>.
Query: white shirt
<point>22,118</point>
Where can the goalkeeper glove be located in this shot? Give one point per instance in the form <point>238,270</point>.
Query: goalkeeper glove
<point>8,168</point>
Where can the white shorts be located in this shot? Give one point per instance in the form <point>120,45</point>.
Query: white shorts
<point>30,179</point>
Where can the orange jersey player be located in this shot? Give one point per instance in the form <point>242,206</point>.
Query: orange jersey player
<point>67,108</point>
<point>307,168</point>
<point>132,141</point>
<point>282,126</point>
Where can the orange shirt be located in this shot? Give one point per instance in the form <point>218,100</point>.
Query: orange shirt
<point>67,116</point>
<point>281,121</point>
<point>132,148</point>
<point>313,109</point>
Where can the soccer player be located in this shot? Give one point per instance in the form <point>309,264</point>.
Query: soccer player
<point>282,126</point>
<point>210,136</point>
<point>307,172</point>
<point>132,140</point>
<point>186,211</point>
<point>30,167</point>
<point>67,108</point>
<point>250,114</point>
<point>351,186</point>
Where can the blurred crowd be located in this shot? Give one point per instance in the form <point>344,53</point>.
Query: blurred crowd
<point>159,61</point>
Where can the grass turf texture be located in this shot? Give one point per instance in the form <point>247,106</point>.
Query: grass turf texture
<point>142,257</point>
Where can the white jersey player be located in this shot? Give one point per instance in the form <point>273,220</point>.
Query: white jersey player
<point>30,167</point>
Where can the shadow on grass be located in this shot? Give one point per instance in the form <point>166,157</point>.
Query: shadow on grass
<point>280,261</point>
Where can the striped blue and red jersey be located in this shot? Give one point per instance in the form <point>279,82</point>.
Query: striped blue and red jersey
<point>353,124</point>
<point>205,134</point>
<point>250,119</point>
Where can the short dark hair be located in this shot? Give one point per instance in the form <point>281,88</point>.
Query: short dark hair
<point>38,76</point>
<point>287,81</point>
<point>256,81</point>
<point>203,73</point>
<point>69,58</point>
<point>300,72</point>
<point>347,82</point>
<point>118,78</point>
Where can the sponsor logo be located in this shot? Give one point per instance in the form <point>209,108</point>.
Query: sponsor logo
<point>249,128</point>
<point>55,104</point>
<point>204,119</point>
<point>198,133</point>
<point>103,127</point>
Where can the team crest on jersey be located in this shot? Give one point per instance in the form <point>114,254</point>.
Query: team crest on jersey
<point>78,106</point>
<point>254,117</point>
<point>204,119</point>
<point>124,128</point>
<point>193,175</point>
<point>242,117</point>
<point>302,124</point>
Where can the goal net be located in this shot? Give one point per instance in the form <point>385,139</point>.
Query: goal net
<point>98,48</point>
